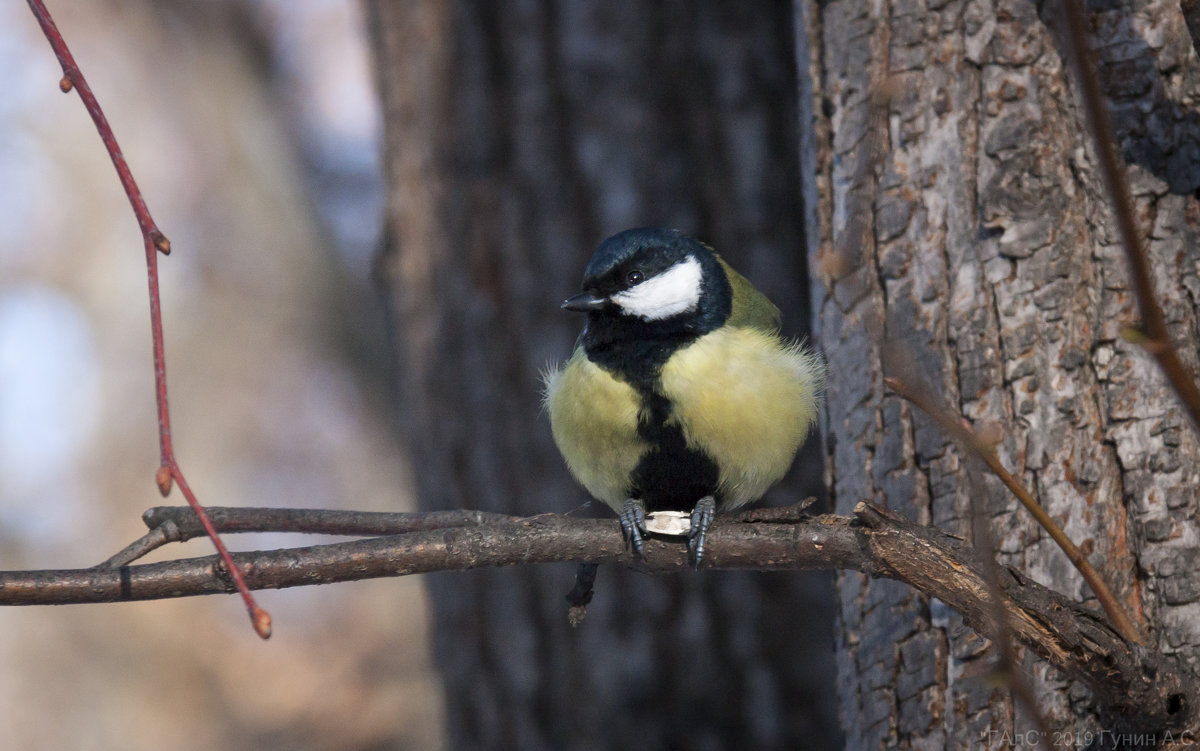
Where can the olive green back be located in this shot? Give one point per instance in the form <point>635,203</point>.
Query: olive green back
<point>750,307</point>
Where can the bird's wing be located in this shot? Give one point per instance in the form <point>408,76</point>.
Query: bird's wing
<point>750,307</point>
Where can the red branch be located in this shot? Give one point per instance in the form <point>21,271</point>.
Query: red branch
<point>155,241</point>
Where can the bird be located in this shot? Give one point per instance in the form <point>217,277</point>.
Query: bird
<point>681,394</point>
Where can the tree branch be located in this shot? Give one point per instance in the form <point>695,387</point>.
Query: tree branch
<point>1147,690</point>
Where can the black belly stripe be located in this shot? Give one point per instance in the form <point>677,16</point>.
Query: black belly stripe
<point>671,476</point>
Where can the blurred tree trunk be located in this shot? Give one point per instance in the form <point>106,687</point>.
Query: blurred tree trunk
<point>990,254</point>
<point>518,136</point>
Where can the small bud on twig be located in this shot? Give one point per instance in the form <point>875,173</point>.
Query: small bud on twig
<point>261,620</point>
<point>161,242</point>
<point>163,479</point>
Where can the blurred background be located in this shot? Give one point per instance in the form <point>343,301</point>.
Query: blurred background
<point>253,130</point>
<point>513,137</point>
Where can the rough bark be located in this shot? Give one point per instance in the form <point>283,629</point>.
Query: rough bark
<point>518,136</point>
<point>990,254</point>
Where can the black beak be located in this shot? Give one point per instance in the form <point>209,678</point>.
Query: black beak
<point>584,302</point>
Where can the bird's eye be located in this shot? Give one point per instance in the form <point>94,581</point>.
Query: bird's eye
<point>634,277</point>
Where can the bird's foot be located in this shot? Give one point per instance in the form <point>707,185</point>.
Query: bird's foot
<point>633,524</point>
<point>702,517</point>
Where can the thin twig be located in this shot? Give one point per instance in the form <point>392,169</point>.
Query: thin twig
<point>1157,337</point>
<point>314,521</point>
<point>146,544</point>
<point>155,242</point>
<point>778,514</point>
<point>958,429</point>
<point>180,524</point>
<point>1007,666</point>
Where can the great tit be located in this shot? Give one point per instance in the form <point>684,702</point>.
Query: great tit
<point>680,393</point>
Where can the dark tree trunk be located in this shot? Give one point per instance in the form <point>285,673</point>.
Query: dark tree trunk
<point>518,136</point>
<point>991,256</point>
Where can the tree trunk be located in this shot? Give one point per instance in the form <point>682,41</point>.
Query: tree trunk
<point>518,136</point>
<point>989,254</point>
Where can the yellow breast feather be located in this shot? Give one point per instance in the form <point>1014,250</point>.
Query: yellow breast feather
<point>748,399</point>
<point>594,419</point>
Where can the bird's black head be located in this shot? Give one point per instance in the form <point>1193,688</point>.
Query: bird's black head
<point>649,290</point>
<point>656,276</point>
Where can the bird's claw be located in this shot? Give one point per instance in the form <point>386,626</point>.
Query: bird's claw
<point>633,524</point>
<point>702,517</point>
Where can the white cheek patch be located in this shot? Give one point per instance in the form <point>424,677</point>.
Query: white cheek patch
<point>674,291</point>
